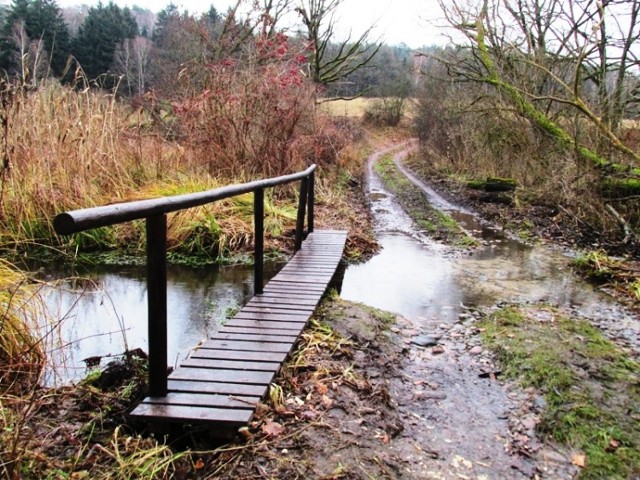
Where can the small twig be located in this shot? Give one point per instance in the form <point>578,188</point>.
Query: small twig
<point>237,399</point>
<point>575,217</point>
<point>625,226</point>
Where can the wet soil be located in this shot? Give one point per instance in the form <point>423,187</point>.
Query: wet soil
<point>367,402</point>
<point>371,398</point>
<point>531,219</point>
<point>365,395</point>
<point>67,432</point>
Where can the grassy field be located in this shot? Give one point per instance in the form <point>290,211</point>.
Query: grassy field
<point>355,108</point>
<point>346,108</point>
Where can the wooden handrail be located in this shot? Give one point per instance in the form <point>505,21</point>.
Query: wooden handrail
<point>88,218</point>
<point>154,211</point>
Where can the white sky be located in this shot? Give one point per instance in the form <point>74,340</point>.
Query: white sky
<point>397,20</point>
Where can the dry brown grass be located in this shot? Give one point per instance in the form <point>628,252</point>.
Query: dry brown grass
<point>22,349</point>
<point>345,108</point>
<point>68,149</point>
<point>357,107</point>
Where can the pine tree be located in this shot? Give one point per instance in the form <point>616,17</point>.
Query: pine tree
<point>102,30</point>
<point>39,20</point>
<point>163,21</point>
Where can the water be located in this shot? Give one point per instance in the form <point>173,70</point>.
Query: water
<point>406,277</point>
<point>430,284</point>
<point>105,313</point>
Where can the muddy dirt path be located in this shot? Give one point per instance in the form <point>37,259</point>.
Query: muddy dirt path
<point>455,414</point>
<point>460,421</point>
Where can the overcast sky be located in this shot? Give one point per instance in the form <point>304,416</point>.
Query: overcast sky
<point>397,20</point>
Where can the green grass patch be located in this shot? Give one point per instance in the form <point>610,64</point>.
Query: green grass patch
<point>382,317</point>
<point>596,265</point>
<point>591,387</point>
<point>437,223</point>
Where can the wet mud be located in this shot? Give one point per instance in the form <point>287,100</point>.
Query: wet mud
<point>460,420</point>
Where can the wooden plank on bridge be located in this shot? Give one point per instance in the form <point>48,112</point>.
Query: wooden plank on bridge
<point>225,377</point>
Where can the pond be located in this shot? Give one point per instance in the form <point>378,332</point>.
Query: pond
<point>103,311</point>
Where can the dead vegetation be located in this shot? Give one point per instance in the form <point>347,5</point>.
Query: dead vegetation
<point>329,415</point>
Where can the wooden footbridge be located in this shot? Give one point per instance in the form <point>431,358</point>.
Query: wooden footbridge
<point>224,378</point>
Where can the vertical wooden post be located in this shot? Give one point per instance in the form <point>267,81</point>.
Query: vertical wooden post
<point>258,242</point>
<point>157,303</point>
<point>302,207</point>
<point>312,199</point>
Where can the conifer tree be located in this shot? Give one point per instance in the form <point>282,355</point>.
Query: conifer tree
<point>103,29</point>
<point>34,21</point>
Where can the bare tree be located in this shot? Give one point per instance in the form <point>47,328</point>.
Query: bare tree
<point>331,61</point>
<point>132,62</point>
<point>554,58</point>
<point>31,56</point>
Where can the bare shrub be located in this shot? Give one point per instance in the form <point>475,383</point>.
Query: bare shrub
<point>385,112</point>
<point>323,141</point>
<point>468,131</point>
<point>243,120</point>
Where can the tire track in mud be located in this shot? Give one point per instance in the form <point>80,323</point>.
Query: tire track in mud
<point>459,420</point>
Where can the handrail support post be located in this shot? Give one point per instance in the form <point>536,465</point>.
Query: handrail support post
<point>156,227</point>
<point>312,200</point>
<point>258,242</point>
<point>302,207</point>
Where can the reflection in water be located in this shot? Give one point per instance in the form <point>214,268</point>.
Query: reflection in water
<point>111,316</point>
<point>406,277</point>
<point>414,277</point>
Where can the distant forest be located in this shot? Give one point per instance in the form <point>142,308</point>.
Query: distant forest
<point>137,50</point>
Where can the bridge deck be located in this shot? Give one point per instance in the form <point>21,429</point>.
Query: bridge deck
<point>226,376</point>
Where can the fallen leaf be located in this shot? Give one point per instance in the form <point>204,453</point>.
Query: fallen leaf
<point>272,429</point>
<point>579,460</point>
<point>246,433</point>
<point>459,461</point>
<point>309,415</point>
<point>613,445</point>
<point>321,388</point>
<point>283,412</point>
<point>326,401</point>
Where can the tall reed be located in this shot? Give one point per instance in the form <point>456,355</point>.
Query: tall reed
<point>22,353</point>
<point>68,149</point>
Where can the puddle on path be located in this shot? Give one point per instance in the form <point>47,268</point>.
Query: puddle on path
<point>456,421</point>
<point>426,282</point>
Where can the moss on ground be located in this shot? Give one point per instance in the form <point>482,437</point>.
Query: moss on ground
<point>437,223</point>
<point>591,387</point>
